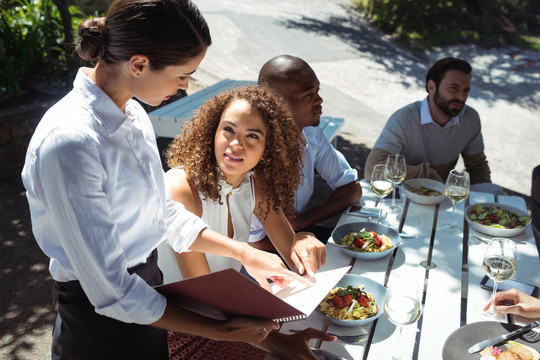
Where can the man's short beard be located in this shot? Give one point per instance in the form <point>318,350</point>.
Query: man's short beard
<point>443,104</point>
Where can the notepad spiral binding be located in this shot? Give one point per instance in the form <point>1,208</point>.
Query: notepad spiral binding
<point>291,318</point>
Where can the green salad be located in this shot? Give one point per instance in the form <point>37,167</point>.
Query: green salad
<point>497,217</point>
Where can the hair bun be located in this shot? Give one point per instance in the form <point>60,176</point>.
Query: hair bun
<point>92,41</point>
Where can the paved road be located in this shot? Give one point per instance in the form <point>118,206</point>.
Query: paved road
<point>365,76</point>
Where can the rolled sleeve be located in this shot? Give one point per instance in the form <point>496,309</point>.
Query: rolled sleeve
<point>256,231</point>
<point>330,163</point>
<point>142,300</point>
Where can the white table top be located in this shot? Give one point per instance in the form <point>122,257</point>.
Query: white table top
<point>452,295</point>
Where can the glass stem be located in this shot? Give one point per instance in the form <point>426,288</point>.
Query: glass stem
<point>378,205</point>
<point>394,197</point>
<point>400,345</point>
<point>491,309</point>
<point>454,222</point>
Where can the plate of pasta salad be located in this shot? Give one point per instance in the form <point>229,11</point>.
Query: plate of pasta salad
<point>354,301</point>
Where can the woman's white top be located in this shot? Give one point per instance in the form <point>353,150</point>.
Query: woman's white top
<point>98,200</point>
<point>240,201</point>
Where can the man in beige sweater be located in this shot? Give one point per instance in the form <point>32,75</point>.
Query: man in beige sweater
<point>434,132</point>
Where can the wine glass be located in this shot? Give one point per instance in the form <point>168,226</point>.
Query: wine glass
<point>396,172</point>
<point>380,185</point>
<point>402,307</point>
<point>456,189</point>
<point>500,264</point>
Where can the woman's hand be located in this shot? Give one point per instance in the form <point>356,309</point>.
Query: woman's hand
<point>263,266</point>
<point>516,302</point>
<point>259,264</point>
<point>248,329</point>
<point>240,328</point>
<point>293,346</point>
<point>308,253</point>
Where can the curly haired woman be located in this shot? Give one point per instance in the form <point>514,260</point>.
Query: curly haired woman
<point>240,155</point>
<point>91,152</point>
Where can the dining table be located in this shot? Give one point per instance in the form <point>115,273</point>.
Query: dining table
<point>449,265</point>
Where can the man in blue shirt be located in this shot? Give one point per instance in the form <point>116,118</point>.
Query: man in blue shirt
<point>296,82</point>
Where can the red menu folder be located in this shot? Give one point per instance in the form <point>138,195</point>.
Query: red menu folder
<point>228,293</point>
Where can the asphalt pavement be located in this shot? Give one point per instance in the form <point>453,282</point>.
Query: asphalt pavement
<point>365,76</point>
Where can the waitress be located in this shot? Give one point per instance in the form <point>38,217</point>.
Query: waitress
<point>97,194</point>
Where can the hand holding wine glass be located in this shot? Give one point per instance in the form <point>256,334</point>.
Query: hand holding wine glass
<point>500,264</point>
<point>380,185</point>
<point>396,172</point>
<point>402,307</point>
<point>456,189</point>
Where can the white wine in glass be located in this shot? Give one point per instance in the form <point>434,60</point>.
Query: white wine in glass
<point>456,193</point>
<point>402,307</point>
<point>396,172</point>
<point>380,185</point>
<point>381,188</point>
<point>500,264</point>
<point>456,189</point>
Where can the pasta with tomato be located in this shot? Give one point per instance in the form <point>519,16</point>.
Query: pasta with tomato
<point>350,303</point>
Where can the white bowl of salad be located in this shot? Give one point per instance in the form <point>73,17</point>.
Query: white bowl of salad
<point>497,219</point>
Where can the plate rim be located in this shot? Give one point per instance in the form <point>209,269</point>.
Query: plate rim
<point>447,345</point>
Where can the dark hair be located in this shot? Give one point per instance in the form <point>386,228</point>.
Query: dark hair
<point>168,32</point>
<point>278,175</point>
<point>282,69</point>
<point>437,70</point>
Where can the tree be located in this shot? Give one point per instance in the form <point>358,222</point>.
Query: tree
<point>63,7</point>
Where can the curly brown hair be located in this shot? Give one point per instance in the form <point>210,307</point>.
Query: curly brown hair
<point>277,175</point>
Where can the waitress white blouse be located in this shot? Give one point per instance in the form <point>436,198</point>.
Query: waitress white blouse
<point>98,202</point>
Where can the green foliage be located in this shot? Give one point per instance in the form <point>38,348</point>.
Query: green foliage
<point>532,42</point>
<point>440,22</point>
<point>93,7</point>
<point>31,46</point>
